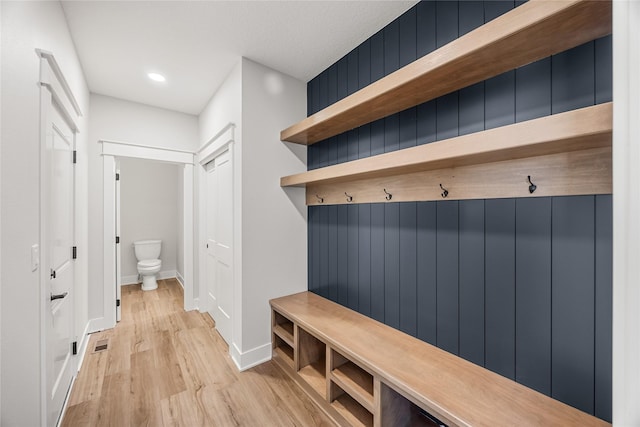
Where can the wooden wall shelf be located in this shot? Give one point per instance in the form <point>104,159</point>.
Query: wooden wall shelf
<point>400,377</point>
<point>570,150</point>
<point>532,31</point>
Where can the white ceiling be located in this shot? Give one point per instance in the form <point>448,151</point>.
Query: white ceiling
<point>195,44</point>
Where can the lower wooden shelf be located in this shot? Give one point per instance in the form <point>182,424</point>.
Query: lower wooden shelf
<point>284,352</point>
<point>356,382</point>
<point>352,411</point>
<point>314,374</point>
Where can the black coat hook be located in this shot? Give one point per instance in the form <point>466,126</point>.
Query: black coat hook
<point>388,195</point>
<point>349,198</point>
<point>445,192</point>
<point>532,186</point>
<point>320,199</point>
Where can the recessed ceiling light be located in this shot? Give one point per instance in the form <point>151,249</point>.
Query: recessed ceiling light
<point>156,77</point>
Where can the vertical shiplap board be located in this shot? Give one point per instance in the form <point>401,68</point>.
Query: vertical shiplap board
<point>604,69</point>
<point>364,79</point>
<point>332,219</point>
<point>408,268</point>
<point>364,259</point>
<point>352,72</point>
<point>470,16</point>
<point>391,132</point>
<point>500,286</point>
<point>342,77</point>
<point>426,272</point>
<point>313,106</point>
<point>533,293</point>
<point>604,305</point>
<point>315,95</point>
<point>353,145</point>
<point>314,247</point>
<point>377,267</point>
<point>471,99</point>
<point>426,27</point>
<point>342,141</point>
<point>392,264</point>
<point>323,256</point>
<point>499,90</point>
<point>533,90</point>
<point>407,123</point>
<point>426,123</point>
<point>352,256</point>
<point>447,275</point>
<point>343,270</point>
<point>408,38</point>
<point>446,22</point>
<point>331,148</point>
<point>377,72</point>
<point>323,90</point>
<point>471,280</point>
<point>572,84</point>
<point>447,116</point>
<point>391,63</point>
<point>572,296</point>
<point>407,54</point>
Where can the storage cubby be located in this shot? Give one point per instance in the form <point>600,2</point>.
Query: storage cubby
<point>311,361</point>
<point>352,379</point>
<point>397,410</point>
<point>348,407</point>
<point>283,327</point>
<point>282,338</point>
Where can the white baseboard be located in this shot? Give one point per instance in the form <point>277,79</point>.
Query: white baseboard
<point>180,279</point>
<point>133,279</point>
<point>191,305</point>
<point>251,358</point>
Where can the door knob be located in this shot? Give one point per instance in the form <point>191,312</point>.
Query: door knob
<point>58,296</point>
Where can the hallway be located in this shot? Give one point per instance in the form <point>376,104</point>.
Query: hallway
<point>164,366</point>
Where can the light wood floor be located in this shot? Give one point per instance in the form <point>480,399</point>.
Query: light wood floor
<point>164,367</point>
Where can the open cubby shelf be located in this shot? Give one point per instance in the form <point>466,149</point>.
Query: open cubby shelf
<point>532,31</point>
<point>402,379</point>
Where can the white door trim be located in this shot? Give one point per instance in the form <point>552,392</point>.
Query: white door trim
<point>54,89</point>
<point>111,150</point>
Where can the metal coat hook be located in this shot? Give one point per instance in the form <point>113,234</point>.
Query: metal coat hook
<point>445,192</point>
<point>532,186</point>
<point>388,195</point>
<point>349,198</point>
<point>320,199</point>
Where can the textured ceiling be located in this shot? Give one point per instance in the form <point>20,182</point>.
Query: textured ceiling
<point>195,44</point>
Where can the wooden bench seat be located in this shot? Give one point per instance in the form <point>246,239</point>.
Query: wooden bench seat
<point>337,352</point>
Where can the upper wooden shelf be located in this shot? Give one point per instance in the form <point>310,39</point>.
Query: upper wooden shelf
<point>532,31</point>
<point>581,129</point>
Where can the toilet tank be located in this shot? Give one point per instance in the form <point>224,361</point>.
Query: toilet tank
<point>147,249</point>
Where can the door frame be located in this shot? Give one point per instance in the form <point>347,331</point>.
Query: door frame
<point>54,89</point>
<point>221,142</point>
<point>111,150</point>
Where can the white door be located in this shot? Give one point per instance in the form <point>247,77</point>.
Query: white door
<point>118,252</point>
<point>59,244</point>
<point>220,242</point>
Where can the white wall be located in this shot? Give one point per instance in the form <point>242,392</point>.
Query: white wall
<point>270,236</point>
<point>148,210</point>
<point>274,220</point>
<point>25,27</point>
<point>117,120</point>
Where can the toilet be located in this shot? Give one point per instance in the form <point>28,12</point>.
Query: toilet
<point>149,264</point>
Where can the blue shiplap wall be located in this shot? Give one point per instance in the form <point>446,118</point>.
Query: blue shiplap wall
<point>520,286</point>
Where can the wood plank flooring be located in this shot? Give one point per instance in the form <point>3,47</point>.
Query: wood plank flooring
<point>167,367</point>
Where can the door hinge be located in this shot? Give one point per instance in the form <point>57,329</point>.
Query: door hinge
<point>74,348</point>
<point>74,252</point>
<point>117,177</point>
<point>75,156</point>
<point>117,239</point>
<point>53,274</point>
<point>117,303</point>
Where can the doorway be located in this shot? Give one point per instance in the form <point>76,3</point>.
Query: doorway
<point>118,150</point>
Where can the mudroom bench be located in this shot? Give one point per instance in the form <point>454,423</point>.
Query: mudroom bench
<point>361,372</point>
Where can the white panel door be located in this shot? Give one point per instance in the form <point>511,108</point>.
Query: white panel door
<point>118,250</point>
<point>220,280</point>
<point>60,230</point>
